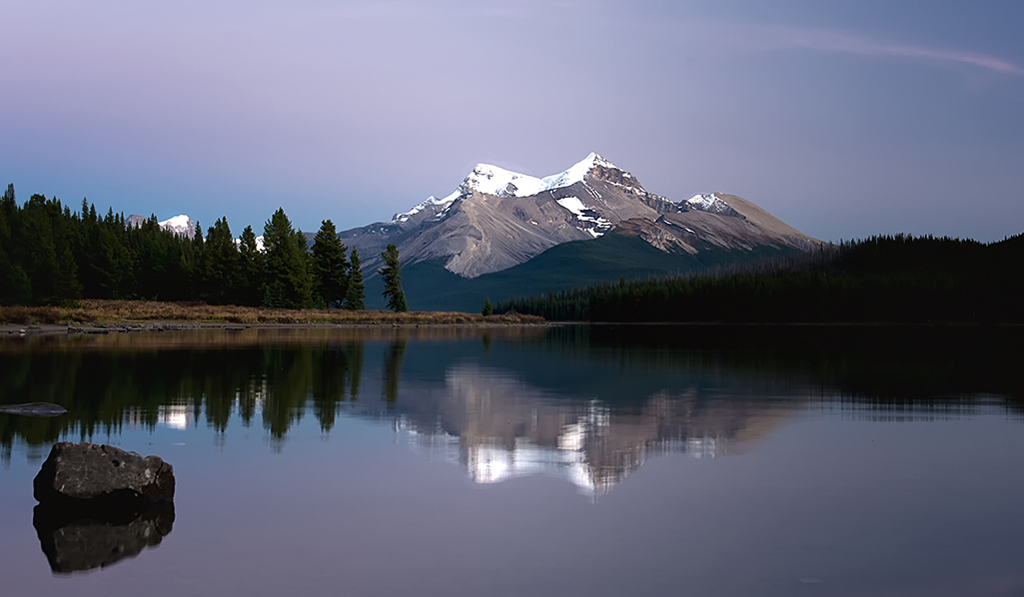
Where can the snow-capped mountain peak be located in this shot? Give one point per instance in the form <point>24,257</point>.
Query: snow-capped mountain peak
<point>180,224</point>
<point>494,180</point>
<point>576,173</point>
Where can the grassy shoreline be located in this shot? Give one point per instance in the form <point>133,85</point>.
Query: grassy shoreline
<point>104,312</point>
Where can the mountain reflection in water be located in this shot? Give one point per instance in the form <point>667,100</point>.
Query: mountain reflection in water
<point>500,427</point>
<point>589,405</point>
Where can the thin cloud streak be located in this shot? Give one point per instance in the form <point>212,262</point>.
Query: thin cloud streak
<point>834,41</point>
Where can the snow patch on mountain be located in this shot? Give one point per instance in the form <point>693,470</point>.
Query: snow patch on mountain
<point>573,204</point>
<point>593,224</point>
<point>425,204</point>
<point>710,203</point>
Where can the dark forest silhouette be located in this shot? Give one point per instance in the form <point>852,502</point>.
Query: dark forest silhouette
<point>50,255</point>
<point>897,278</point>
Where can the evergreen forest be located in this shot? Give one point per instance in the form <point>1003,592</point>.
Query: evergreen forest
<point>50,254</point>
<point>895,278</point>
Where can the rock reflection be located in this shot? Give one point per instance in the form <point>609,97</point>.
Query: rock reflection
<point>76,543</point>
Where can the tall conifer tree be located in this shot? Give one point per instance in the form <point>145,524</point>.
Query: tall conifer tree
<point>330,267</point>
<point>392,276</point>
<point>356,294</point>
<point>223,265</point>
<point>251,289</point>
<point>288,281</point>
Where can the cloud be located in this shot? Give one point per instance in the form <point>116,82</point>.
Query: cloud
<point>835,41</point>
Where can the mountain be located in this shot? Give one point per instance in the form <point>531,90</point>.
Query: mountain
<point>181,225</point>
<point>497,219</point>
<point>503,234</point>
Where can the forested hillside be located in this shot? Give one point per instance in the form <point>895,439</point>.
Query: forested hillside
<point>430,286</point>
<point>882,279</point>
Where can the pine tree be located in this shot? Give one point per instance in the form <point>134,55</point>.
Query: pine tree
<point>15,288</point>
<point>330,267</point>
<point>8,203</point>
<point>250,285</point>
<point>223,265</point>
<point>113,262</point>
<point>197,263</point>
<point>488,308</point>
<point>66,240</point>
<point>391,273</point>
<point>356,294</point>
<point>288,281</point>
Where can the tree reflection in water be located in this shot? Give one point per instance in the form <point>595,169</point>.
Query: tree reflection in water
<point>655,385</point>
<point>393,371</point>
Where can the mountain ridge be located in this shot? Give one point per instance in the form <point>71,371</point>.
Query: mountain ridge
<point>497,219</point>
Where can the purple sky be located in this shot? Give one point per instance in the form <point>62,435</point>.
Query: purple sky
<point>845,119</point>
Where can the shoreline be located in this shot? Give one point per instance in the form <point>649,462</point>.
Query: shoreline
<point>115,316</point>
<point>429,320</point>
<point>49,329</point>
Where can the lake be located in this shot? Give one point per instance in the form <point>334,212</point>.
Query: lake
<point>576,460</point>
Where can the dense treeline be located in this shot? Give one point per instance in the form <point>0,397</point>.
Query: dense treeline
<point>881,279</point>
<point>50,254</point>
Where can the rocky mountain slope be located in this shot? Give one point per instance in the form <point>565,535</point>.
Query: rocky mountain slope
<point>497,219</point>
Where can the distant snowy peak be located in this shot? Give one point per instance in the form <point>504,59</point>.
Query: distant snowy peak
<point>181,225</point>
<point>260,248</point>
<point>710,203</point>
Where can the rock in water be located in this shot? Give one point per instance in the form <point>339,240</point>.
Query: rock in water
<point>77,473</point>
<point>33,409</point>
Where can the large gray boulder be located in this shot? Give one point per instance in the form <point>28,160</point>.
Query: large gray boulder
<point>80,472</point>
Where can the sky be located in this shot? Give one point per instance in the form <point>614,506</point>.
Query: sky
<point>844,119</point>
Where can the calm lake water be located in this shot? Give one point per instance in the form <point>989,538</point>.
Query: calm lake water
<point>681,460</point>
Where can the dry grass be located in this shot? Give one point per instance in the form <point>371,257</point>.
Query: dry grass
<point>106,311</point>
